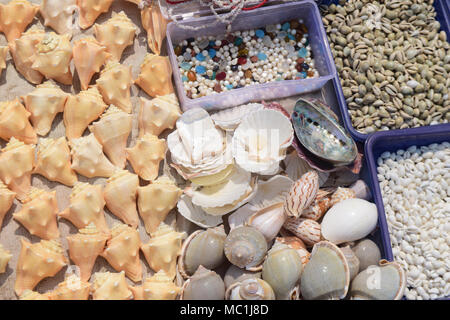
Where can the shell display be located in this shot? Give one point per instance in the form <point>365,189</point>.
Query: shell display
<point>36,262</point>
<point>309,231</point>
<point>146,156</point>
<point>114,84</point>
<point>296,167</point>
<point>58,14</point>
<point>157,287</point>
<point>88,158</point>
<point>341,194</point>
<point>16,165</point>
<point>3,53</point>
<point>122,251</point>
<point>298,245</point>
<point>156,76</point>
<point>14,122</point>
<point>158,114</point>
<point>5,256</point>
<point>110,286</point>
<point>85,247</point>
<point>352,261</point>
<point>229,119</point>
<point>38,214</point>
<point>203,285</point>
<point>319,206</point>
<point>112,131</point>
<point>15,17</point>
<point>302,194</point>
<point>367,253</point>
<point>6,201</point>
<point>235,274</point>
<point>116,34</point>
<point>155,24</point>
<point>33,295</point>
<point>196,214</point>
<point>250,289</point>
<point>72,288</point>
<point>90,10</point>
<point>120,195</point>
<point>88,56</point>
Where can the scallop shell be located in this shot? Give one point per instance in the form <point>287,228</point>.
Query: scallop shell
<point>90,10</point>
<point>306,229</point>
<point>6,201</point>
<point>196,214</point>
<point>72,288</point>
<point>146,156</point>
<point>250,289</point>
<point>296,167</point>
<point>341,194</point>
<point>53,56</point>
<point>214,179</point>
<point>352,261</point>
<point>156,200</point>
<point>229,119</point>
<point>3,52</point>
<point>116,34</point>
<point>88,56</point>
<point>120,196</point>
<point>16,165</point>
<point>86,206</point>
<point>5,256</point>
<point>298,245</point>
<point>319,206</point>
<point>158,114</point>
<point>302,194</point>
<point>367,253</point>
<point>88,158</point>
<point>157,287</point>
<point>36,262</point>
<point>33,295</point>
<point>114,84</point>
<point>155,24</point>
<point>81,110</point>
<point>58,14</point>
<point>110,286</point>
<point>235,274</point>
<point>203,285</point>
<point>38,214</point>
<point>269,220</point>
<point>85,247</point>
<point>156,76</point>
<point>14,122</point>
<point>122,251</point>
<point>162,250</point>
<point>15,17</point>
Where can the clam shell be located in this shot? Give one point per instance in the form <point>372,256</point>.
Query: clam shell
<point>196,214</point>
<point>203,285</point>
<point>302,194</point>
<point>367,252</point>
<point>33,295</point>
<point>250,289</point>
<point>229,119</point>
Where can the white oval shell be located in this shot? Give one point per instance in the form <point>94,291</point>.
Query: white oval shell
<point>195,214</point>
<point>229,119</point>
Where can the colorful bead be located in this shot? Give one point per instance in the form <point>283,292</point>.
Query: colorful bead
<point>238,41</point>
<point>200,57</point>
<point>186,66</point>
<point>221,76</point>
<point>212,53</point>
<point>200,69</point>
<point>259,33</point>
<point>254,59</point>
<point>242,60</point>
<point>286,26</point>
<point>262,56</point>
<point>302,52</point>
<point>191,76</point>
<point>184,78</point>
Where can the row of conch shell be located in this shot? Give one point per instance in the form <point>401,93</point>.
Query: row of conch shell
<point>110,286</point>
<point>14,122</point>
<point>157,287</point>
<point>158,114</point>
<point>302,194</point>
<point>90,10</point>
<point>5,256</point>
<point>6,201</point>
<point>15,17</point>
<point>3,52</point>
<point>155,24</point>
<point>58,14</point>
<point>155,77</point>
<point>203,285</point>
<point>250,289</point>
<point>229,119</point>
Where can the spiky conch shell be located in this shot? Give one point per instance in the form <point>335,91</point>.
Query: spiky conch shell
<point>157,287</point>
<point>81,110</point>
<point>112,131</point>
<point>158,114</point>
<point>44,102</point>
<point>36,262</point>
<point>156,200</point>
<point>120,194</point>
<point>53,57</point>
<point>15,17</point>
<point>16,165</point>
<point>57,14</point>
<point>6,201</point>
<point>110,286</point>
<point>86,206</point>
<point>14,122</point>
<point>88,158</point>
<point>90,10</point>
<point>116,34</point>
<point>88,57</point>
<point>155,24</point>
<point>122,251</point>
<point>23,52</point>
<point>114,84</point>
<point>3,52</point>
<point>33,295</point>
<point>72,288</point>
<point>5,256</point>
<point>156,76</point>
<point>162,250</point>
<point>38,214</point>
<point>85,247</point>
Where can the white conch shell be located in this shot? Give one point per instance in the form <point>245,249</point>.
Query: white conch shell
<point>3,52</point>
<point>196,214</point>
<point>57,14</point>
<point>15,17</point>
<point>6,201</point>
<point>156,76</point>
<point>155,24</point>
<point>5,256</point>
<point>44,103</point>
<point>72,288</point>
<point>302,194</point>
<point>229,119</point>
<point>90,10</point>
<point>157,287</point>
<point>110,286</point>
<point>14,122</point>
<point>158,114</point>
<point>296,167</point>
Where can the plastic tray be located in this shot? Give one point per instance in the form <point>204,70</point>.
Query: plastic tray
<point>306,10</point>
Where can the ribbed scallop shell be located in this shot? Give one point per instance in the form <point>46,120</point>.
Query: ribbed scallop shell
<point>6,201</point>
<point>72,288</point>
<point>15,17</point>
<point>3,52</point>
<point>306,229</point>
<point>57,14</point>
<point>341,194</point>
<point>14,122</point>
<point>155,24</point>
<point>155,77</point>
<point>250,289</point>
<point>296,167</point>
<point>158,114</point>
<point>110,286</point>
<point>90,10</point>
<point>196,214</point>
<point>229,119</point>
<point>203,285</point>
<point>157,287</point>
<point>5,256</point>
<point>302,194</point>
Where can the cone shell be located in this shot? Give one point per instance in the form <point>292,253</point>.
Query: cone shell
<point>342,194</point>
<point>14,122</point>
<point>88,158</point>
<point>158,114</point>
<point>3,52</point>
<point>5,256</point>
<point>16,165</point>
<point>81,110</point>
<point>156,200</point>
<point>162,250</point>
<point>15,17</point>
<point>320,205</point>
<point>116,34</point>
<point>72,288</point>
<point>120,195</point>
<point>36,262</point>
<point>85,247</point>
<point>6,201</point>
<point>38,214</point>
<point>155,24</point>
<point>302,194</point>
<point>44,103</point>
<point>306,229</point>
<point>57,14</point>
<point>157,287</point>
<point>110,286</point>
<point>90,10</point>
<point>33,295</point>
<point>156,76</point>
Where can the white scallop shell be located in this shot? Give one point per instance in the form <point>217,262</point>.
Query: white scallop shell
<point>296,167</point>
<point>229,119</point>
<point>195,214</point>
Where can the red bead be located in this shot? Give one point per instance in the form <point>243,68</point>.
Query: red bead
<point>221,76</point>
<point>300,60</point>
<point>218,87</point>
<point>254,59</point>
<point>224,43</point>
<point>299,67</point>
<point>242,60</point>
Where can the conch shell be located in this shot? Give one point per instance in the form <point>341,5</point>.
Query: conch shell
<point>157,287</point>
<point>86,206</point>
<point>88,158</point>
<point>44,103</point>
<point>114,85</point>
<point>90,10</point>
<point>81,110</point>
<point>116,34</point>
<point>15,17</point>
<point>3,52</point>
<point>162,250</point>
<point>122,251</point>
<point>88,57</point>
<point>16,165</point>
<point>57,14</point>
<point>53,56</point>
<point>85,247</point>
<point>156,200</point>
<point>14,122</point>
<point>33,295</point>
<point>112,131</point>
<point>38,214</point>
<point>146,155</point>
<point>36,262</point>
<point>110,286</point>
<point>53,161</point>
<point>156,76</point>
<point>6,201</point>
<point>5,256</point>
<point>72,288</point>
<point>158,114</point>
<point>155,25</point>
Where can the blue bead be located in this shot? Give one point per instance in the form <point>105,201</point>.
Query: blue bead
<point>238,41</point>
<point>184,78</point>
<point>305,66</point>
<point>229,86</point>
<point>261,56</point>
<point>259,33</point>
<point>212,53</point>
<point>302,52</point>
<point>186,66</point>
<point>286,26</point>
<point>212,43</point>
<point>200,69</point>
<point>291,37</point>
<point>303,74</point>
<point>200,57</point>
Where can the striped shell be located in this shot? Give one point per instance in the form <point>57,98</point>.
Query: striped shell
<point>342,194</point>
<point>320,205</point>
<point>302,194</point>
<point>306,229</point>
